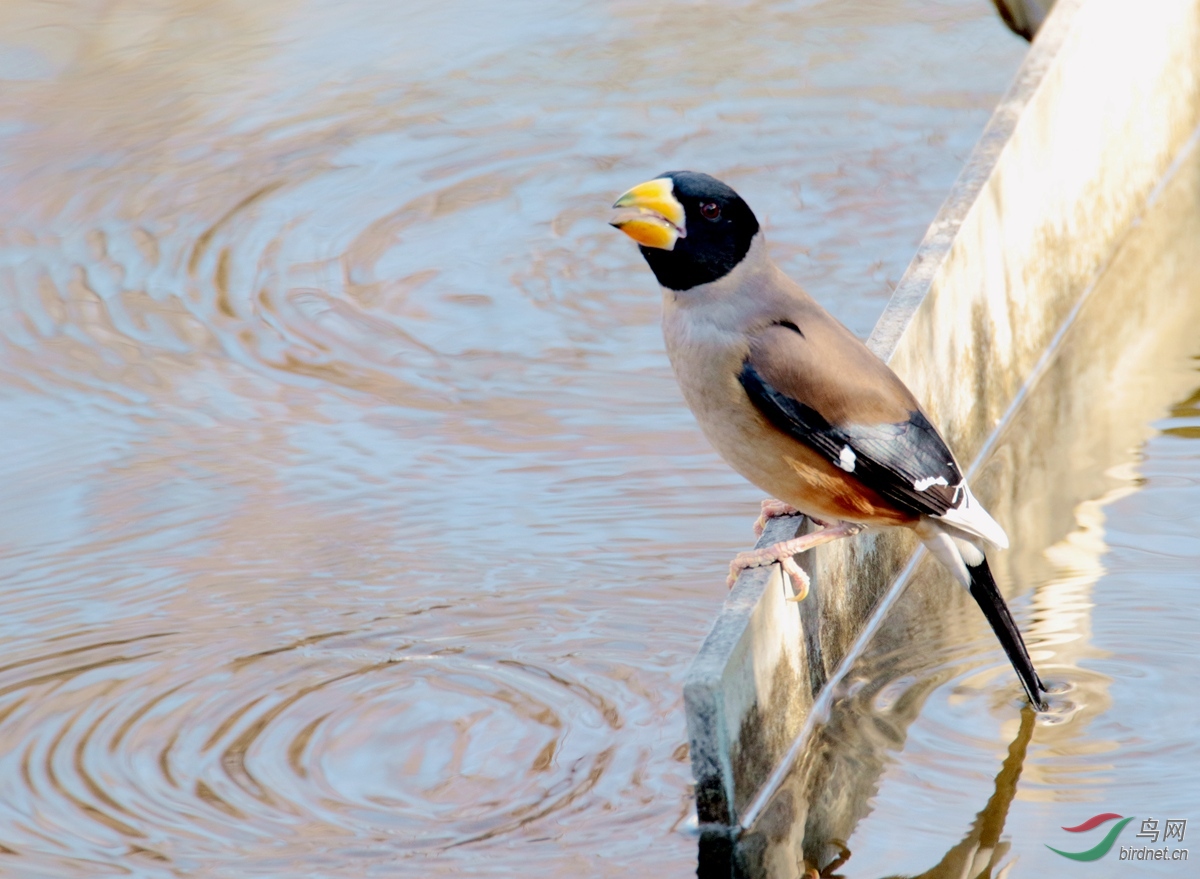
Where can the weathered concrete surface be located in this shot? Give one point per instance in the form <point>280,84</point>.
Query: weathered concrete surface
<point>1101,104</point>
<point>755,680</point>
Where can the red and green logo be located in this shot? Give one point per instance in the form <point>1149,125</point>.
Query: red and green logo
<point>1099,850</point>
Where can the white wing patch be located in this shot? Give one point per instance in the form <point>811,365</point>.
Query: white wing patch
<point>847,459</point>
<point>928,481</point>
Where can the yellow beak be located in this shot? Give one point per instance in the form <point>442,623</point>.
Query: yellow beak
<point>651,215</point>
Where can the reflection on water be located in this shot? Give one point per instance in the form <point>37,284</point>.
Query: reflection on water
<point>981,851</point>
<point>352,514</point>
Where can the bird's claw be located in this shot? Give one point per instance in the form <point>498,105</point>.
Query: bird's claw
<point>769,556</point>
<point>783,551</point>
<point>800,581</point>
<point>771,509</point>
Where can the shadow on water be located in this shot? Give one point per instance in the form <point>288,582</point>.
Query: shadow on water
<point>1066,453</point>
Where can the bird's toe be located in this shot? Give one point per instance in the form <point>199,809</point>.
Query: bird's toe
<point>771,509</point>
<point>800,581</point>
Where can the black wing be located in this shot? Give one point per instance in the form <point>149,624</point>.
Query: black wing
<point>906,463</point>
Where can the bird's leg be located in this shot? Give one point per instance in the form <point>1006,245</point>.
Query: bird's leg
<point>772,508</point>
<point>783,551</point>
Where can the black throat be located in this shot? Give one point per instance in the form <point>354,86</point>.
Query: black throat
<point>683,271</point>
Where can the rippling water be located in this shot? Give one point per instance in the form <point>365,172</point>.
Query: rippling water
<point>352,521</point>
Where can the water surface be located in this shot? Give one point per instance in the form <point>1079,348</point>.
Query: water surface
<point>353,523</point>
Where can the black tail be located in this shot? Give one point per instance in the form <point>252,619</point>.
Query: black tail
<point>991,602</point>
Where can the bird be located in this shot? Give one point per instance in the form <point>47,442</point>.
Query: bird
<point>797,404</point>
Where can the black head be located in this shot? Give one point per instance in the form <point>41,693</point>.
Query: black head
<point>692,228</point>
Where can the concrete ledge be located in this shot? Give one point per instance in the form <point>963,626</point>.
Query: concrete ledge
<point>1104,100</point>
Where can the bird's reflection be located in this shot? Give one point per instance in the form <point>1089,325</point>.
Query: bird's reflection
<point>980,853</point>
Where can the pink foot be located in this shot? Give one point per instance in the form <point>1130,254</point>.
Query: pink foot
<point>771,509</point>
<point>783,552</point>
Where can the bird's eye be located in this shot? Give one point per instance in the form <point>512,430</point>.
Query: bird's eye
<point>710,210</point>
